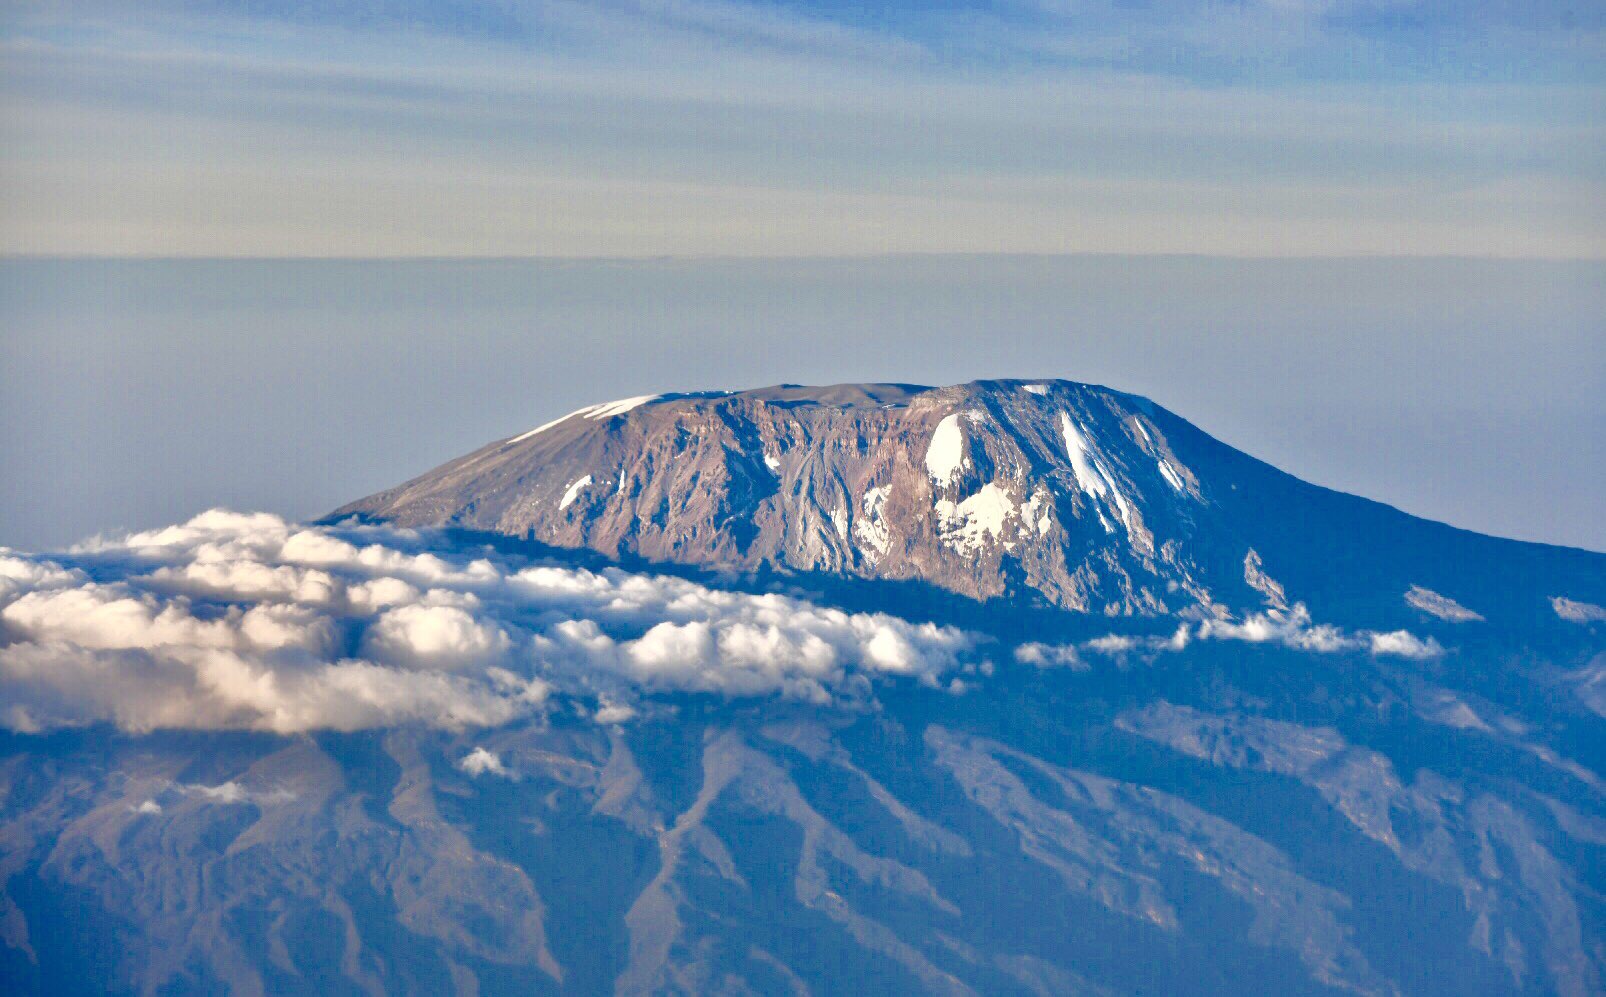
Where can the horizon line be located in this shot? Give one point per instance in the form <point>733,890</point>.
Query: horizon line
<point>9,257</point>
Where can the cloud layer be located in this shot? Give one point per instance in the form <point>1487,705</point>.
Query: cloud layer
<point>713,127</point>
<point>234,621</point>
<point>248,622</point>
<point>1291,628</point>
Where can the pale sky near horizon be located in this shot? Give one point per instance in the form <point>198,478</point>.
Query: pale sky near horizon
<point>135,394</point>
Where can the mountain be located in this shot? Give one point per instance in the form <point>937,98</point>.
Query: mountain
<point>1069,495</point>
<point>1005,688</point>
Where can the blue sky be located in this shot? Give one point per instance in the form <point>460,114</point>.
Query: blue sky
<point>698,128</point>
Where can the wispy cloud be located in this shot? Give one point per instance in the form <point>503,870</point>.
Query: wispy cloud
<point>710,128</point>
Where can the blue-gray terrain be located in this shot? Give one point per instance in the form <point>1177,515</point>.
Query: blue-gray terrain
<point>1009,687</point>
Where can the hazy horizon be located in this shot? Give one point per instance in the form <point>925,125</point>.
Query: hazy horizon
<point>135,393</point>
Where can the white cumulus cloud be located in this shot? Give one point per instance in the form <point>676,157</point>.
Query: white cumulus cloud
<point>245,621</point>
<point>481,761</point>
<point>1294,628</point>
<point>248,622</point>
<point>1050,656</point>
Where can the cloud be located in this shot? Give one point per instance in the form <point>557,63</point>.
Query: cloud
<point>232,793</point>
<point>1293,628</point>
<point>481,762</point>
<point>233,621</point>
<point>1590,681</point>
<point>228,792</point>
<point>1050,656</point>
<point>610,712</point>
<point>19,574</point>
<point>1403,644</point>
<point>440,637</point>
<point>1113,644</point>
<point>248,622</point>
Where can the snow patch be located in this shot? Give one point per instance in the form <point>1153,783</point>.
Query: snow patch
<point>945,457</point>
<point>1076,448</point>
<point>537,431</point>
<point>1442,606</point>
<point>966,527</point>
<point>1256,578</point>
<point>1577,612</point>
<point>606,410</point>
<point>1171,477</point>
<point>1167,472</point>
<point>1036,389</point>
<point>771,463</point>
<point>871,529</point>
<point>1036,511</point>
<point>573,491</point>
<point>1092,477</point>
<point>1115,493</point>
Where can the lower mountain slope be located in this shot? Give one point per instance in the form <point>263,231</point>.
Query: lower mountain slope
<point>1076,834</point>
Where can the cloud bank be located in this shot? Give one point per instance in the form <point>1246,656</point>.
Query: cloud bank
<point>233,621</point>
<point>247,622</point>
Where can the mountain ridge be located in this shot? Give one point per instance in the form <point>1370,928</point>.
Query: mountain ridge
<point>1133,510</point>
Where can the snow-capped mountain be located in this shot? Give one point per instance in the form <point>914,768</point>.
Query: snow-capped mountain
<point>1005,688</point>
<point>1070,495</point>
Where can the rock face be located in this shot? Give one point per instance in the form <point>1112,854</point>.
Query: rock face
<point>1070,495</point>
<point>1070,491</point>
